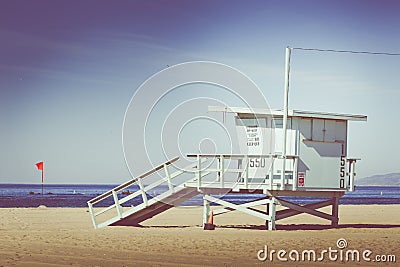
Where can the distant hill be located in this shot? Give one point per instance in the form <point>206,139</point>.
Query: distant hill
<point>384,179</point>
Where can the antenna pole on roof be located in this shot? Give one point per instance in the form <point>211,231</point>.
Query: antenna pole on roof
<point>285,116</point>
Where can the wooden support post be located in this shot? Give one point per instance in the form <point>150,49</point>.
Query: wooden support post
<point>222,170</point>
<point>117,205</point>
<point>271,176</point>
<point>92,215</point>
<point>335,211</point>
<point>246,174</point>
<point>206,210</point>
<point>271,213</point>
<point>267,211</point>
<point>198,171</point>
<point>294,175</point>
<point>219,168</point>
<point>168,176</point>
<point>143,192</point>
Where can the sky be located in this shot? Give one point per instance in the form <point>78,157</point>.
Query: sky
<point>68,70</point>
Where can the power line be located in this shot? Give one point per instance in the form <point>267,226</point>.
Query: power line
<point>346,51</point>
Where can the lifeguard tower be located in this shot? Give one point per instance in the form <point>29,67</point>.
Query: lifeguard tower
<point>284,153</point>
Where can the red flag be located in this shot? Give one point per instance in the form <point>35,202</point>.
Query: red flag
<point>39,166</point>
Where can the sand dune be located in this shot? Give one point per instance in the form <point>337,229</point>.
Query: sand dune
<point>65,236</point>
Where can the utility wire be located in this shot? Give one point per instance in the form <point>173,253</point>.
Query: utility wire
<point>346,51</point>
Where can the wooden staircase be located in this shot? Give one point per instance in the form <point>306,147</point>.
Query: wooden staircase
<point>157,207</point>
<point>148,208</point>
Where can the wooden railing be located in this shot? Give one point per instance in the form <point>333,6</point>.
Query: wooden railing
<point>244,170</point>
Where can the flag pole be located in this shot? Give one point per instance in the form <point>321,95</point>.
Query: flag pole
<point>42,179</point>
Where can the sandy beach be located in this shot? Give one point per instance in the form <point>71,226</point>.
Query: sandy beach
<point>65,236</point>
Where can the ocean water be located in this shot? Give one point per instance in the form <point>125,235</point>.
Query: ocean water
<point>77,195</point>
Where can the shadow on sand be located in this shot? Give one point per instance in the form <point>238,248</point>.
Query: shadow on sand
<point>295,227</point>
<point>286,227</point>
<point>162,226</point>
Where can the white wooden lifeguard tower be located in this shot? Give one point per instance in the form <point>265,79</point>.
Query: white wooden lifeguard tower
<point>314,163</point>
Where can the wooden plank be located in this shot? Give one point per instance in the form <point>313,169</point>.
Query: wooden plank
<point>252,212</point>
<point>304,209</point>
<point>159,167</point>
<point>282,214</point>
<point>260,201</point>
<point>309,193</point>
